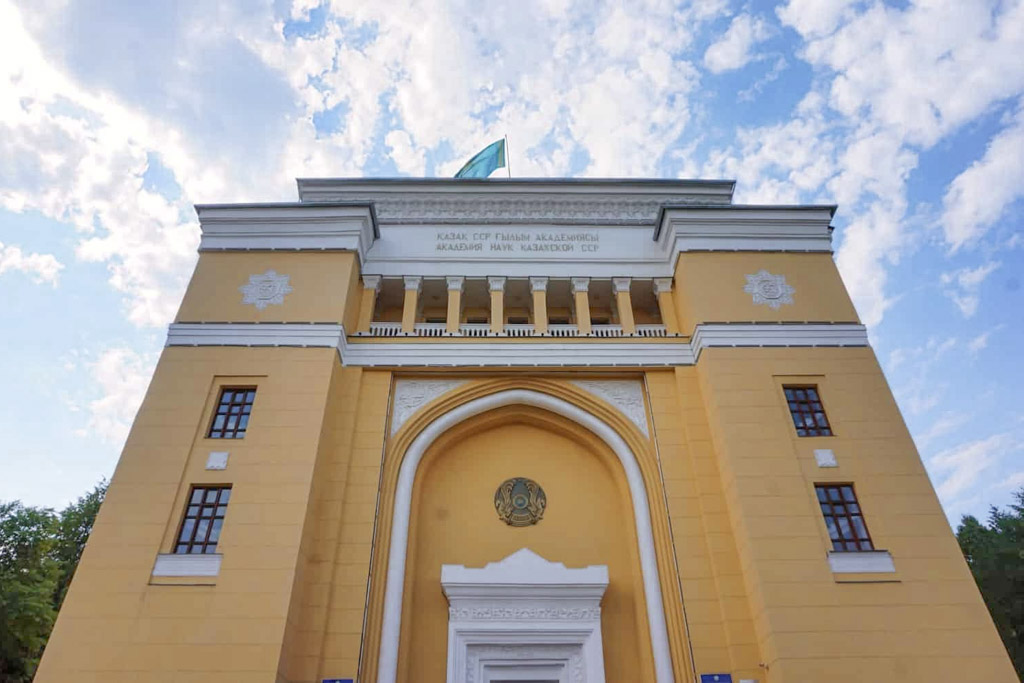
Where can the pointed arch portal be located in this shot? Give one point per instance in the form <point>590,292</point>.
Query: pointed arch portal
<point>387,667</point>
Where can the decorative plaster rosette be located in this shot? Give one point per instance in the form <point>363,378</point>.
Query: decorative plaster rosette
<point>769,289</point>
<point>263,290</point>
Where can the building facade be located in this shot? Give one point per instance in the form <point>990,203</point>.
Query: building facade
<point>520,430</point>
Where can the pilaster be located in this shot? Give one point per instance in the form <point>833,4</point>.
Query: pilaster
<point>539,291</point>
<point>497,288</point>
<point>413,283</point>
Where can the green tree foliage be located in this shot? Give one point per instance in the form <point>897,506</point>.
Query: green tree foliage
<point>28,581</point>
<point>995,554</point>
<point>39,550</point>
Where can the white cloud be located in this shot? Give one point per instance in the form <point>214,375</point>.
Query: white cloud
<point>41,268</point>
<point>814,18</point>
<point>963,286</point>
<point>958,468</point>
<point>733,49</point>
<point>979,196</point>
<point>122,376</point>
<point>979,343</point>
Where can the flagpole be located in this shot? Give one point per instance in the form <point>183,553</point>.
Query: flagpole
<point>508,161</point>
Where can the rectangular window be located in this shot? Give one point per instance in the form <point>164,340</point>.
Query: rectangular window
<point>232,416</point>
<point>558,321</point>
<point>204,517</point>
<point>843,517</point>
<point>518,320</point>
<point>807,410</point>
<point>600,321</point>
<point>435,320</point>
<point>476,320</point>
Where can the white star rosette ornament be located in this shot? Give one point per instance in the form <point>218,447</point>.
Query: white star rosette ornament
<point>769,289</point>
<point>263,290</point>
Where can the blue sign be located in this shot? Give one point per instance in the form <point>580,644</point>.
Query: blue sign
<point>338,680</point>
<point>716,678</point>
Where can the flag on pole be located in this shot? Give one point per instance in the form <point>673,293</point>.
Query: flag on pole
<point>487,160</point>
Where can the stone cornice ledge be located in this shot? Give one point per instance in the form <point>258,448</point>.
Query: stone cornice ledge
<point>746,228</point>
<point>288,227</point>
<point>541,353</point>
<point>776,334</point>
<point>255,334</point>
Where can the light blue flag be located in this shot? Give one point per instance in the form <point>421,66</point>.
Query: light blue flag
<point>489,159</point>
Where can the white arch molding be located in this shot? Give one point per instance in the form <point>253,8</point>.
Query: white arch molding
<point>387,661</point>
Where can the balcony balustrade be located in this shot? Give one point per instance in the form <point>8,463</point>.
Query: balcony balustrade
<point>394,329</point>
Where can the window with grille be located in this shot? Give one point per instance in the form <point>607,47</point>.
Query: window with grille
<point>204,517</point>
<point>807,410</point>
<point>232,416</point>
<point>843,517</point>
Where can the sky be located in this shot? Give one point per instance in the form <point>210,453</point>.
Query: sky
<point>116,116</point>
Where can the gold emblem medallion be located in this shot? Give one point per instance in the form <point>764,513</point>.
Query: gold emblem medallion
<point>520,501</point>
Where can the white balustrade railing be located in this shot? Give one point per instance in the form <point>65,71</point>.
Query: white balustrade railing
<point>394,329</point>
<point>606,330</point>
<point>429,329</point>
<point>475,329</point>
<point>382,329</point>
<point>651,331</point>
<point>519,330</point>
<point>563,330</point>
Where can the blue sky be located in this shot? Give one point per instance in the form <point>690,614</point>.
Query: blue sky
<point>116,117</point>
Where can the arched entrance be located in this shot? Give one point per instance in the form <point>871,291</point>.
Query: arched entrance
<point>403,504</point>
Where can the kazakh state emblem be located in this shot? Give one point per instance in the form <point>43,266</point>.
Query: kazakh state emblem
<point>520,502</point>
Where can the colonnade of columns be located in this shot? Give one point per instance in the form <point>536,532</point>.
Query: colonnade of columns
<point>538,287</point>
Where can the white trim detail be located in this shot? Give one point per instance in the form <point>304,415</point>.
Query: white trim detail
<point>526,613</point>
<point>580,284</point>
<point>217,460</point>
<point>510,354</point>
<point>770,290</point>
<point>168,564</point>
<point>395,581</point>
<point>863,562</point>
<point>264,289</point>
<point>412,394</point>
<point>286,227</point>
<point>254,334</point>
<point>662,285</point>
<point>625,394</point>
<point>824,457</point>
<point>372,282</point>
<point>777,334</point>
<point>543,352</point>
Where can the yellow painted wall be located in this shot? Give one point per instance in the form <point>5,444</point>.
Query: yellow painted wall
<point>926,622</point>
<point>730,485</point>
<point>115,623</point>
<point>588,521</point>
<point>709,288</point>
<point>325,288</point>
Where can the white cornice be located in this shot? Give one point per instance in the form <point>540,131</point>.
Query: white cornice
<point>538,353</point>
<point>746,228</point>
<point>520,201</point>
<point>776,334</point>
<point>254,334</point>
<point>511,354</point>
<point>287,227</point>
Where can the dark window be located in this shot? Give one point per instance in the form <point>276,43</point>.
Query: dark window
<point>435,320</point>
<point>807,410</point>
<point>232,416</point>
<point>518,320</point>
<point>558,321</point>
<point>843,517</point>
<point>204,517</point>
<point>476,320</point>
<point>600,321</point>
